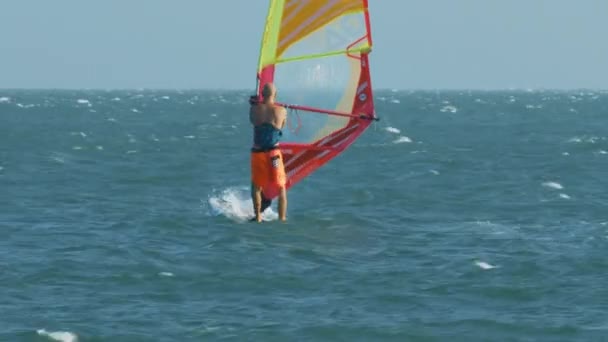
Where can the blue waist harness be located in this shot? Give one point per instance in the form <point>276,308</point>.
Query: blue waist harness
<point>266,137</point>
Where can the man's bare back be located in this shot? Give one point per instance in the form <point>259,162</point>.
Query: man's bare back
<point>268,113</point>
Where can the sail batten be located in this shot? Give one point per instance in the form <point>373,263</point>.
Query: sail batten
<point>326,54</point>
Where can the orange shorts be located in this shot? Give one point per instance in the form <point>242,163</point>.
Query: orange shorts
<point>267,168</point>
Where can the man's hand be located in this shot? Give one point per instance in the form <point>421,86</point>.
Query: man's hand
<point>254,99</point>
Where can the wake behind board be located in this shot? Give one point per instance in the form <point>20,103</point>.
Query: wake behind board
<point>235,204</point>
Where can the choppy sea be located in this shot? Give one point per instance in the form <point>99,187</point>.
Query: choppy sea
<point>460,215</point>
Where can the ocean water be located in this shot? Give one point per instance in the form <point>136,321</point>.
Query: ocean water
<point>461,215</point>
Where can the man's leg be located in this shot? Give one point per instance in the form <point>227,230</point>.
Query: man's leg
<point>283,204</point>
<point>256,197</point>
<point>280,179</point>
<point>257,172</point>
<point>265,203</point>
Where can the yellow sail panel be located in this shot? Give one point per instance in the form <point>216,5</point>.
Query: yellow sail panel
<point>271,32</point>
<point>300,18</point>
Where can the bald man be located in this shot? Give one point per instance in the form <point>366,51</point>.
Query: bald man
<point>267,168</point>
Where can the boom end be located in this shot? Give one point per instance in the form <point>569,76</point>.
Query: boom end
<point>367,117</point>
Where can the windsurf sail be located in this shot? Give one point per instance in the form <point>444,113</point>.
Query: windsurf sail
<point>316,53</point>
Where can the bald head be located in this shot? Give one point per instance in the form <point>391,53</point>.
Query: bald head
<point>269,90</point>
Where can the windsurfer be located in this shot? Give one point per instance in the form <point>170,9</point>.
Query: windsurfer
<point>267,166</point>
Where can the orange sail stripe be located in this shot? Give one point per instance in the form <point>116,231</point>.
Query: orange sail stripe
<point>301,18</point>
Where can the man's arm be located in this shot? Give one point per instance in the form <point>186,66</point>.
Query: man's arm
<point>284,116</point>
<point>253,100</point>
<point>251,114</point>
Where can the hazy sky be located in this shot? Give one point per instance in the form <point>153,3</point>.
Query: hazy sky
<point>424,44</point>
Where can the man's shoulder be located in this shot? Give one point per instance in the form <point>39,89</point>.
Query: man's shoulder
<point>280,108</point>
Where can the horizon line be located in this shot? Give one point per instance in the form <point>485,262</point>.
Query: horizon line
<point>382,89</point>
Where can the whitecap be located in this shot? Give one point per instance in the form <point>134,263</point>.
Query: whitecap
<point>402,139</point>
<point>553,185</point>
<point>111,119</point>
<point>99,147</point>
<point>206,329</point>
<point>84,102</point>
<point>435,172</point>
<point>484,265</point>
<point>449,108</point>
<point>63,336</point>
<point>166,274</point>
<point>393,130</point>
<point>395,101</point>
<point>134,110</point>
<point>591,139</point>
<point>58,157</point>
<point>189,136</point>
<point>564,196</point>
<point>5,99</point>
<point>165,97</point>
